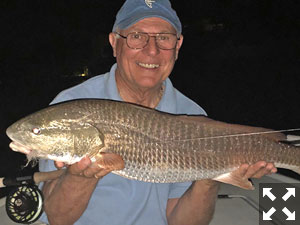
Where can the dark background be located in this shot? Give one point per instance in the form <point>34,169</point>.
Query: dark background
<point>240,59</point>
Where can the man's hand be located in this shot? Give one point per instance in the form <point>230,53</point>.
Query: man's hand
<point>256,170</point>
<point>85,168</point>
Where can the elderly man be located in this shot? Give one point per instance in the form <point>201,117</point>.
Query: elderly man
<point>146,39</point>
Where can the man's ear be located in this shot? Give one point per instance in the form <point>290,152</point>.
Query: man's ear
<point>113,42</point>
<point>178,46</point>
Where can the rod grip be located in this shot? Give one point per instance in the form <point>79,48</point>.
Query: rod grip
<point>44,176</point>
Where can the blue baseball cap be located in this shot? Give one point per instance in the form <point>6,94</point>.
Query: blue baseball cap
<point>133,11</point>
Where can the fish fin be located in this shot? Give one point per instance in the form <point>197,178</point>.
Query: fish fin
<point>110,161</point>
<point>231,178</point>
<point>87,136</point>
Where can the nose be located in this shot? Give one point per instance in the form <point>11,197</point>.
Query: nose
<point>151,48</point>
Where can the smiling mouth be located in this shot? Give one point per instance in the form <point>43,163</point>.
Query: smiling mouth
<point>148,66</point>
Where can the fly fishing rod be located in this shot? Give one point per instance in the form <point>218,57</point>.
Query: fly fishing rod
<point>36,178</point>
<point>24,203</point>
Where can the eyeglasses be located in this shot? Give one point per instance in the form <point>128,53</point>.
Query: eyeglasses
<point>139,40</point>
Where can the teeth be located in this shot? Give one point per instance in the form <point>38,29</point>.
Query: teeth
<point>151,66</point>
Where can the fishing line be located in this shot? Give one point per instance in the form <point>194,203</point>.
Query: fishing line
<point>248,134</point>
<point>237,135</point>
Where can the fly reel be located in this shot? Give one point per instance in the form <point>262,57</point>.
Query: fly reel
<point>24,204</point>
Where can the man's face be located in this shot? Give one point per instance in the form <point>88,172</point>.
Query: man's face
<point>148,67</point>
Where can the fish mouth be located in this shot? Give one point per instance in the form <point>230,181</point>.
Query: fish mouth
<point>18,147</point>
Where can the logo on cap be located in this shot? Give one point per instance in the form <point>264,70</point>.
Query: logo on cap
<point>149,3</point>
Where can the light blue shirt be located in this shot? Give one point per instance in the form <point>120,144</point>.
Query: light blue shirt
<point>117,200</point>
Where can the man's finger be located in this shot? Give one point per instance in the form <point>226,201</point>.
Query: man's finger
<point>59,165</point>
<point>242,170</point>
<point>102,173</point>
<point>255,168</point>
<point>79,167</point>
<point>260,169</point>
<point>268,169</point>
<point>97,173</point>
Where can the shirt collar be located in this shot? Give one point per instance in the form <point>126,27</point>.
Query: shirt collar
<point>166,104</point>
<point>111,88</point>
<point>168,101</point>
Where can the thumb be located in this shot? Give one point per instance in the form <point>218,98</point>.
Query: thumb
<point>59,165</point>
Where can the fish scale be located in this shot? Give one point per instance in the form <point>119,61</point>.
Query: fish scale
<point>179,131</point>
<point>155,146</point>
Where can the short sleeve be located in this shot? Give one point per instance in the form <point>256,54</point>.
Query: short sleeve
<point>178,189</point>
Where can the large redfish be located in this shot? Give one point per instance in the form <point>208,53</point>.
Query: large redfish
<point>154,146</point>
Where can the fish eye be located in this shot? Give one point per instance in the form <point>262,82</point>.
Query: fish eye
<point>36,130</point>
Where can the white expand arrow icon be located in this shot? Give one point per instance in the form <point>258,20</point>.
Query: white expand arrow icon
<point>290,192</point>
<point>291,216</point>
<point>267,216</point>
<point>267,192</point>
